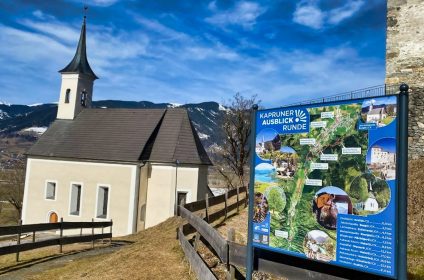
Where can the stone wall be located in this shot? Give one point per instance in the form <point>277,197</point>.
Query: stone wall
<point>405,62</point>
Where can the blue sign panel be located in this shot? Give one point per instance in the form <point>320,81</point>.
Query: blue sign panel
<point>325,183</point>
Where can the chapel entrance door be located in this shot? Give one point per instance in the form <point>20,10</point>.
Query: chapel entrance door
<point>53,218</point>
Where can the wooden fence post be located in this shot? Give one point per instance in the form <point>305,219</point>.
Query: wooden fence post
<point>18,240</point>
<point>207,206</point>
<point>226,205</point>
<point>197,236</point>
<point>92,232</point>
<point>111,223</point>
<point>61,235</point>
<point>33,236</point>
<point>246,197</point>
<point>238,199</point>
<point>231,272</point>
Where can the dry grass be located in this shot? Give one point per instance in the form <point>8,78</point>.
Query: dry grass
<point>416,219</point>
<point>8,214</point>
<point>155,254</point>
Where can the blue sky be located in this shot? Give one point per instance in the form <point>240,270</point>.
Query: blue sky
<point>266,134</point>
<point>194,51</point>
<point>379,101</point>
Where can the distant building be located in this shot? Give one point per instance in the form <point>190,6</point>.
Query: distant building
<point>371,203</point>
<point>376,115</point>
<point>380,156</point>
<point>260,147</point>
<point>130,165</point>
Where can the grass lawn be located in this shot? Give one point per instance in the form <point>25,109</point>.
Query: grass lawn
<point>8,214</point>
<point>155,254</point>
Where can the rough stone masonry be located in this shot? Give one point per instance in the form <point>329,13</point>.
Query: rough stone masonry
<point>405,62</point>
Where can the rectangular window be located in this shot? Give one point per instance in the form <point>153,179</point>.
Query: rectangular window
<point>102,200</point>
<point>51,190</point>
<point>75,199</point>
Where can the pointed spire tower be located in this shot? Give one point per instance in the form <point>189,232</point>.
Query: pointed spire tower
<point>77,81</point>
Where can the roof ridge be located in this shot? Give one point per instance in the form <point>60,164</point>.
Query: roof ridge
<point>152,138</point>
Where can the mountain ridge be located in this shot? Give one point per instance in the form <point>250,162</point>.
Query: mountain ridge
<point>206,116</point>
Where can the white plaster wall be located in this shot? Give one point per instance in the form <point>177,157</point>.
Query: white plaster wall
<point>161,190</point>
<point>121,179</point>
<point>76,83</point>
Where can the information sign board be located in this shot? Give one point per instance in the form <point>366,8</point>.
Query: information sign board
<point>325,183</point>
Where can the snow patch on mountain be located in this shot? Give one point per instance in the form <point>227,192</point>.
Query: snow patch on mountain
<point>222,108</point>
<point>36,129</point>
<point>3,115</point>
<point>203,136</point>
<point>174,105</point>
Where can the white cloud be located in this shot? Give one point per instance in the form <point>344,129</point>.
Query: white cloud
<point>244,13</point>
<point>161,29</point>
<point>212,6</point>
<point>339,14</point>
<point>40,15</point>
<point>53,28</point>
<point>309,14</point>
<point>134,65</point>
<point>101,3</point>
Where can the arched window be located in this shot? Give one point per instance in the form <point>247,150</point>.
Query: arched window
<point>67,95</point>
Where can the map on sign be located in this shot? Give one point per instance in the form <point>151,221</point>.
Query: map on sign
<point>325,183</point>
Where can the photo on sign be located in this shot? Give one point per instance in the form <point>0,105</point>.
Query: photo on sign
<point>276,201</point>
<point>369,194</point>
<point>260,208</point>
<point>328,202</point>
<point>265,173</point>
<point>381,158</point>
<point>267,141</point>
<point>285,162</point>
<point>381,111</point>
<point>318,245</point>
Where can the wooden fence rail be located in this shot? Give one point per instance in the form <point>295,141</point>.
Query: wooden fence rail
<point>229,252</point>
<point>208,234</point>
<point>61,240</point>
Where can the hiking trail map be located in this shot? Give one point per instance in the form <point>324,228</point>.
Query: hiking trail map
<point>325,183</point>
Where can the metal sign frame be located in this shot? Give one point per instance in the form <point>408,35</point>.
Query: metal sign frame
<point>253,253</point>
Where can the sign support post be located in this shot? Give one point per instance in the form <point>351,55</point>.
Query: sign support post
<point>249,258</point>
<point>403,181</point>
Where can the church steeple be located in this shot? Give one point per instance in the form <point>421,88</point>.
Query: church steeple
<point>78,78</point>
<point>79,63</point>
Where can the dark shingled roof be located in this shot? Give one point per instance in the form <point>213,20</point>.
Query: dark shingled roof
<point>130,135</point>
<point>175,140</point>
<point>79,63</point>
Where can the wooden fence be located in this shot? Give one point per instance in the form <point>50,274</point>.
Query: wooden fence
<point>229,252</point>
<point>61,240</point>
<point>199,223</point>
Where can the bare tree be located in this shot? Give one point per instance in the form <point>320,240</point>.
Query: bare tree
<point>235,152</point>
<point>12,185</point>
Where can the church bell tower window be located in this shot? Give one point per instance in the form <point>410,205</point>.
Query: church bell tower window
<point>67,95</point>
<point>84,98</point>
